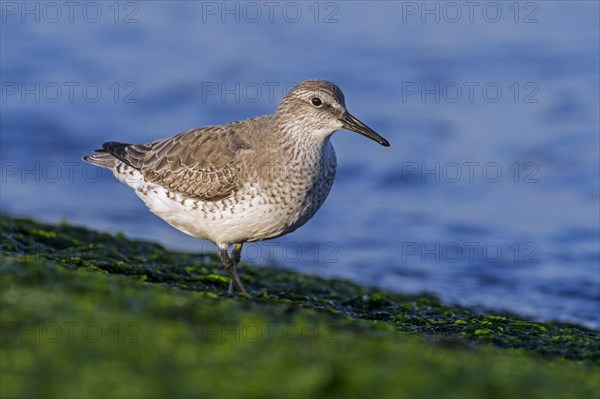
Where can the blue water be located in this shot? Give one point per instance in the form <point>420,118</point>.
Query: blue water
<point>488,196</point>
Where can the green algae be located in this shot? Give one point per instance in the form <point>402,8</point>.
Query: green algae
<point>87,314</point>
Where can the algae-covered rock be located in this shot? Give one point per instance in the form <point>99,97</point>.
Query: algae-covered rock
<point>87,314</point>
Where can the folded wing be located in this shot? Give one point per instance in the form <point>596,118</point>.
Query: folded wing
<point>202,163</point>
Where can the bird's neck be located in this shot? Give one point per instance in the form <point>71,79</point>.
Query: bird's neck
<point>298,141</point>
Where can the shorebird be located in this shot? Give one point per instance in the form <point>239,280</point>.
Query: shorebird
<point>243,181</point>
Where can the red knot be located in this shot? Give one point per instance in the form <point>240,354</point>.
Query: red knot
<point>243,181</point>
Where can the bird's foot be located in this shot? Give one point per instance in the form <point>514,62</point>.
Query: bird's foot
<point>234,279</point>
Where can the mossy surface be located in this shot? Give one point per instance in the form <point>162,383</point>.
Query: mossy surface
<point>86,314</point>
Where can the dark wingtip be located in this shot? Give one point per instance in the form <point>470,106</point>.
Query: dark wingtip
<point>119,151</point>
<point>111,146</point>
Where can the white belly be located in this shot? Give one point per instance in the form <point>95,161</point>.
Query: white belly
<point>248,216</point>
<point>256,212</point>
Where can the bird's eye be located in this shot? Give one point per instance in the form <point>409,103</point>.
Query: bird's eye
<point>316,101</point>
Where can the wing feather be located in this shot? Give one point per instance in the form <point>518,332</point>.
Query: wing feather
<point>201,163</point>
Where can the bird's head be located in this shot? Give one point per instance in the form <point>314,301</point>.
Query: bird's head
<point>319,107</point>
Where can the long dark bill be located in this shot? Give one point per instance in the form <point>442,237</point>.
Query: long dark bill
<point>351,123</point>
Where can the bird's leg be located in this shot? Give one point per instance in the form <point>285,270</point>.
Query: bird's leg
<point>237,252</point>
<point>237,256</point>
<point>229,267</point>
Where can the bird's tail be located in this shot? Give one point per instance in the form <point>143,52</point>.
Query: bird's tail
<point>102,158</point>
<point>113,152</point>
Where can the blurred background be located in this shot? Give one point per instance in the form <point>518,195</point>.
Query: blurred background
<point>488,196</point>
